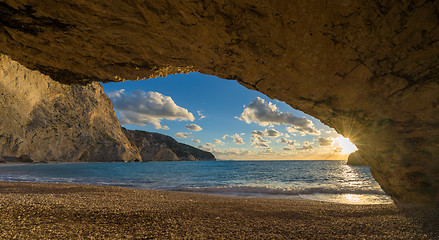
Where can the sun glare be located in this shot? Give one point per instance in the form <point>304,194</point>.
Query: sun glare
<point>346,146</point>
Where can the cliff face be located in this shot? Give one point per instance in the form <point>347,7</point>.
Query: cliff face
<point>49,121</point>
<point>367,68</point>
<point>159,147</point>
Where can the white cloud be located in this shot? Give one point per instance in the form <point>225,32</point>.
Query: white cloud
<point>235,138</point>
<point>261,145</point>
<point>227,152</point>
<point>287,141</point>
<point>193,127</point>
<point>196,140</point>
<point>219,142</point>
<point>306,146</point>
<point>201,116</point>
<point>331,132</point>
<point>266,133</point>
<point>267,113</point>
<point>259,142</point>
<point>257,133</point>
<point>268,151</point>
<point>182,135</point>
<point>272,133</point>
<point>141,108</point>
<point>208,145</point>
<point>288,148</point>
<point>325,141</point>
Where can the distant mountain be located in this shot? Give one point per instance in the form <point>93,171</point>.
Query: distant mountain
<point>159,147</point>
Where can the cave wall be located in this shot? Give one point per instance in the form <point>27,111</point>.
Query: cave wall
<point>367,68</point>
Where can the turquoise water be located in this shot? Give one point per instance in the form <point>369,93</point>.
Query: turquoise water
<point>317,180</point>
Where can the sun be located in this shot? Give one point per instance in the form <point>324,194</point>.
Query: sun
<point>346,146</point>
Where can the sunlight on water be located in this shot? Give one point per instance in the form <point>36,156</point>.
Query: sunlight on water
<point>349,198</point>
<point>351,177</point>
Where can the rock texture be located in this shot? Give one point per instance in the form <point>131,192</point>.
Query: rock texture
<point>367,68</point>
<point>159,147</point>
<point>356,159</point>
<point>43,120</point>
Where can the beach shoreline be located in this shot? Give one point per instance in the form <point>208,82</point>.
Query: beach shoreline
<point>60,211</point>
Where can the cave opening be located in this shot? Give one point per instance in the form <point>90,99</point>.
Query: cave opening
<point>235,123</point>
<point>225,118</point>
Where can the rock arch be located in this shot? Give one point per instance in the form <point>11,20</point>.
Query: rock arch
<point>367,68</point>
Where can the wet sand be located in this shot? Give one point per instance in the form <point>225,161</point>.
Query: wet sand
<point>68,211</point>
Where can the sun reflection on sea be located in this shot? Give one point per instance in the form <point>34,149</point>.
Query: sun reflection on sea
<point>353,198</point>
<point>363,199</point>
<point>350,179</point>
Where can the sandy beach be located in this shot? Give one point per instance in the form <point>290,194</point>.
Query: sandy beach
<point>68,211</point>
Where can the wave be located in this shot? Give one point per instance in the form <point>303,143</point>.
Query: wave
<point>229,189</point>
<point>265,190</point>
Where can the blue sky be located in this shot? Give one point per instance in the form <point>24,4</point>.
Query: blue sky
<point>238,123</point>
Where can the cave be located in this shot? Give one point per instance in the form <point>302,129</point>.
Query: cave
<point>369,69</point>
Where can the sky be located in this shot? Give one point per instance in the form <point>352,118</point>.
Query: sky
<point>225,118</point>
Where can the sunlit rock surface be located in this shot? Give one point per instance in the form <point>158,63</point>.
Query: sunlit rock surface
<point>356,159</point>
<point>367,68</point>
<point>43,120</point>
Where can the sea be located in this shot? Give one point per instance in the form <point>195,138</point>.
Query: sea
<point>330,181</point>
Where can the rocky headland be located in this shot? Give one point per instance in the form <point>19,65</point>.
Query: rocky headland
<point>159,147</point>
<point>356,159</point>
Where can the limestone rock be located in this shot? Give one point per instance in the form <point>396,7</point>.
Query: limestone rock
<point>356,159</point>
<point>165,154</point>
<point>367,68</point>
<point>14,159</point>
<point>43,120</point>
<point>25,159</point>
<point>159,147</point>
